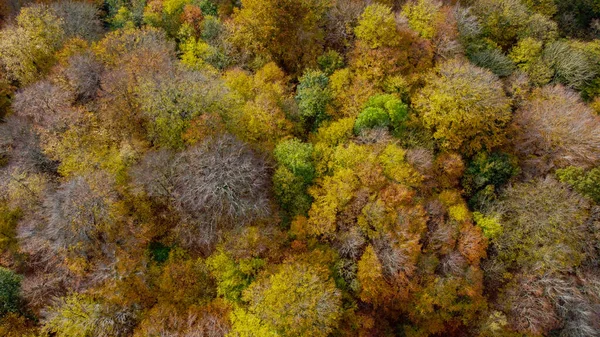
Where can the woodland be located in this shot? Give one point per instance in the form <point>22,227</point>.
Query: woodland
<point>274,168</point>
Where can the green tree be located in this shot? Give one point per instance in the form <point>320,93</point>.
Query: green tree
<point>312,96</point>
<point>465,106</point>
<point>10,287</point>
<point>382,110</point>
<point>586,183</point>
<point>295,173</point>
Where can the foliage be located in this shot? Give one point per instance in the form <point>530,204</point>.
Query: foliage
<point>555,130</point>
<point>543,226</point>
<point>465,107</point>
<point>287,32</point>
<point>382,111</point>
<point>586,183</point>
<point>314,310</point>
<point>10,286</point>
<point>313,96</point>
<point>27,48</point>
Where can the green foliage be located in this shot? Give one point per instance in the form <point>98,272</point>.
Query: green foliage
<point>330,62</point>
<point>586,183</point>
<point>494,168</point>
<point>313,96</point>
<point>571,66</point>
<point>10,287</point>
<point>371,117</point>
<point>159,252</point>
<point>296,156</point>
<point>382,110</point>
<point>208,8</point>
<point>494,60</point>
<point>295,173</point>
<point>233,277</point>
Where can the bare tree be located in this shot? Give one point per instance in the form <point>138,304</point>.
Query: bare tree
<point>76,214</point>
<point>80,19</point>
<point>219,183</point>
<point>45,103</point>
<point>20,147</point>
<point>555,129</point>
<point>84,73</point>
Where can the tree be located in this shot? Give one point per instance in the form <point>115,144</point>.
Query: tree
<point>376,26</point>
<point>84,73</point>
<point>382,111</point>
<point>46,104</point>
<point>288,32</point>
<point>80,19</point>
<point>571,66</point>
<point>10,286</point>
<point>294,174</point>
<point>265,105</point>
<point>543,227</point>
<point>79,214</point>
<point>586,183</point>
<point>79,315</point>
<point>555,129</point>
<point>313,96</point>
<point>422,16</point>
<point>27,48</point>
<point>218,183</point>
<point>314,309</point>
<point>464,106</point>
<point>170,101</point>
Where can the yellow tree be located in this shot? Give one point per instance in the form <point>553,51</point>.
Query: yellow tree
<point>465,106</point>
<point>285,31</point>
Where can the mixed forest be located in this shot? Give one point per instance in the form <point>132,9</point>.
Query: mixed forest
<point>239,168</point>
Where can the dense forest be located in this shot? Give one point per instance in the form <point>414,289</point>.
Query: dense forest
<point>211,168</point>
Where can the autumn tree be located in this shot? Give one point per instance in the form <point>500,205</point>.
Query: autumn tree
<point>555,129</point>
<point>84,73</point>
<point>217,183</point>
<point>284,31</point>
<point>27,48</point>
<point>262,118</point>
<point>543,226</point>
<point>80,19</point>
<point>314,311</point>
<point>464,106</point>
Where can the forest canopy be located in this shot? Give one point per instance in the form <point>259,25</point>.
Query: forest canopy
<point>302,168</point>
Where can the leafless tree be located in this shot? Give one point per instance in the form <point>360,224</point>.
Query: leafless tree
<point>555,129</point>
<point>76,213</point>
<point>219,183</point>
<point>20,147</point>
<point>45,103</point>
<point>80,19</point>
<point>84,73</point>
